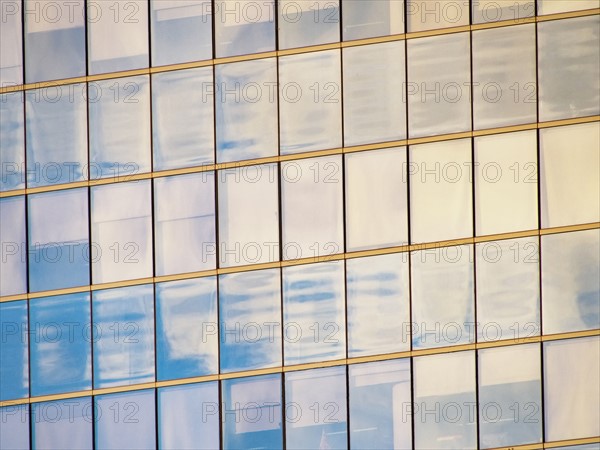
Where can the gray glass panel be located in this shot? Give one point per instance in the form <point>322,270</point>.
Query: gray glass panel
<point>12,142</point>
<point>64,424</point>
<point>14,358</point>
<point>362,20</point>
<point>303,23</point>
<point>13,268</point>
<point>558,6</point>
<point>424,15</point>
<point>11,43</point>
<point>498,10</point>
<point>14,426</point>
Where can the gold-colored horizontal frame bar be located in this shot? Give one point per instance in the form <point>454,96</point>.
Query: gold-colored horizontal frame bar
<point>299,50</point>
<point>307,366</point>
<point>309,260</point>
<point>300,156</point>
<point>553,444</point>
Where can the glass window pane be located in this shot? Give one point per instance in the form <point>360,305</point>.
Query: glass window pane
<point>58,240</point>
<point>243,27</point>
<point>316,409</point>
<point>570,167</point>
<point>11,47</point>
<point>14,363</point>
<point>186,328</point>
<point>308,23</point>
<point>123,336</point>
<point>376,201</point>
<point>380,398</point>
<point>374,104</point>
<point>185,229</point>
<point>60,346</point>
<point>570,283</point>
<point>252,412</point>
<point>508,289</point>
<point>558,6</point>
<point>440,191</point>
<point>13,268</point>
<point>246,118</point>
<point>439,80</point>
<point>119,116</point>
<point>445,408</point>
<point>188,417</point>
<point>117,36</point>
<point>378,305</point>
<point>504,87</point>
<point>121,232</point>
<point>248,215</point>
<point>182,118</point>
<point>64,424</point>
<point>125,420</point>
<point>56,135</point>
<point>314,312</point>
<point>54,40</point>
<point>181,31</point>
<point>14,425</point>
<point>563,56</point>
<point>250,316</point>
<point>431,14</point>
<point>498,10</point>
<point>510,403</point>
<point>310,105</point>
<point>312,210</point>
<point>506,183</point>
<point>12,141</point>
<point>571,389</point>
<point>362,20</point>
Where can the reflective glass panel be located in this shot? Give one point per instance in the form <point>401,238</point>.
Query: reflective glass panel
<point>248,215</point>
<point>188,417</point>
<point>497,10</point>
<point>445,408</point>
<point>58,240</point>
<point>250,320</point>
<point>64,424</point>
<point>380,398</point>
<point>506,183</point>
<point>117,36</point>
<point>60,344</point>
<point>11,43</point>
<point>123,336</point>
<point>378,308</point>
<point>570,167</point>
<point>439,80</point>
<point>558,6</point>
<point>303,23</point>
<point>252,413</point>
<point>563,56</point>
<point>504,87</point>
<point>314,313</point>
<point>440,191</point>
<point>119,115</point>
<point>246,117</point>
<point>12,141</point>
<point>376,201</point>
<point>243,27</point>
<point>181,31</point>
<point>442,297</point>
<point>13,268</point>
<point>186,328</point>
<point>184,223</point>
<point>571,389</point>
<point>508,297</point>
<point>14,426</point>
<point>56,135</point>
<point>14,364</point>
<point>125,420</point>
<point>310,102</point>
<point>54,40</point>
<point>362,20</point>
<point>374,100</point>
<point>312,210</point>
<point>121,232</point>
<point>431,14</point>
<point>570,283</point>
<point>316,409</point>
<point>182,118</point>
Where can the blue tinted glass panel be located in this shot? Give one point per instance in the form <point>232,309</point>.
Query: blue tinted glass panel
<point>13,268</point>
<point>12,142</point>
<point>14,427</point>
<point>11,44</point>
<point>250,316</point>
<point>123,336</point>
<point>186,328</point>
<point>58,240</point>
<point>188,417</point>
<point>252,413</point>
<point>60,344</point>
<point>362,20</point>
<point>308,23</point>
<point>64,424</point>
<point>14,365</point>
